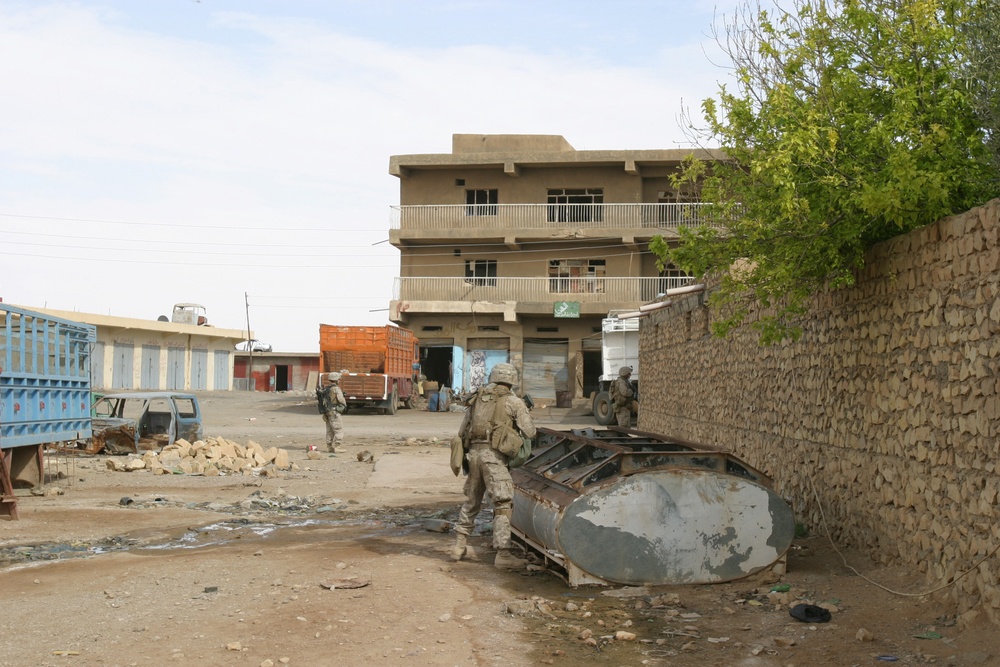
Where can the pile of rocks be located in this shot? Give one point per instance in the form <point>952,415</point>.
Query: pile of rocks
<point>212,456</point>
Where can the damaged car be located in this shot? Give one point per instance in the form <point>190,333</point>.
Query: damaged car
<point>129,422</point>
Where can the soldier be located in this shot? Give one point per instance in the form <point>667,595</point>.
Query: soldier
<point>487,467</point>
<point>622,395</point>
<point>333,405</point>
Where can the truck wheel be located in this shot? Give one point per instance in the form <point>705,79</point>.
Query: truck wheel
<point>393,402</point>
<point>602,408</point>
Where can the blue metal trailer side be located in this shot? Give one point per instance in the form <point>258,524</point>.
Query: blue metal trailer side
<point>44,393</point>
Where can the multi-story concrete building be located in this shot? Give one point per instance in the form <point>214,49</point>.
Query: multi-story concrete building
<point>514,247</point>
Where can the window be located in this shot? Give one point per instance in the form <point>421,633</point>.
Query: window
<point>670,278</point>
<point>580,205</point>
<point>576,276</point>
<point>480,202</point>
<point>481,272</point>
<point>673,208</point>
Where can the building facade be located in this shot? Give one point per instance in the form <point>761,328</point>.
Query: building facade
<point>153,355</point>
<point>513,248</point>
<point>275,371</point>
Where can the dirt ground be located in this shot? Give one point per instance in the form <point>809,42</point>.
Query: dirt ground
<point>340,562</point>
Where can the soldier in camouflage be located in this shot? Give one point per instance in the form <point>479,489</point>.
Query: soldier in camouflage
<point>622,395</point>
<point>488,470</point>
<point>331,415</point>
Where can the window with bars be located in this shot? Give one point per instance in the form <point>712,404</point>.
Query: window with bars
<point>480,202</point>
<point>576,276</point>
<point>576,205</point>
<point>481,272</point>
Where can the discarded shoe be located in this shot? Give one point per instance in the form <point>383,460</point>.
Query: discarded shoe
<point>809,613</point>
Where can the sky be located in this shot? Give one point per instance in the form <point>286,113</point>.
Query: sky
<point>234,153</point>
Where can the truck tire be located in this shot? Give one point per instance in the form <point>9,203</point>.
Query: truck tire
<point>603,412</point>
<point>393,402</point>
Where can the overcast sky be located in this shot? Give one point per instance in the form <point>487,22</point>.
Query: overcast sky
<point>161,151</point>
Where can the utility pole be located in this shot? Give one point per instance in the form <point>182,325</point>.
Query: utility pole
<point>246,302</point>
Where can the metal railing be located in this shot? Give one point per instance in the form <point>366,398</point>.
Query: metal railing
<point>540,290</point>
<point>548,216</point>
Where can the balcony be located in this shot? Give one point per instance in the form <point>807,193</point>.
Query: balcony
<point>610,293</point>
<point>655,218</point>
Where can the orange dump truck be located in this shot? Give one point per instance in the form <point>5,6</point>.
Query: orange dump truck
<point>381,364</point>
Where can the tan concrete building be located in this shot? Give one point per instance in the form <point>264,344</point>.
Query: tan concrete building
<point>134,353</point>
<point>514,247</point>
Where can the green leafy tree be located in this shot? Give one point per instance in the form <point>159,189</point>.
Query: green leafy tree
<point>849,122</point>
<point>981,37</point>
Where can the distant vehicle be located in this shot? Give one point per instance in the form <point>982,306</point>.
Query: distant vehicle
<point>253,345</point>
<point>189,313</point>
<point>380,365</point>
<point>619,347</point>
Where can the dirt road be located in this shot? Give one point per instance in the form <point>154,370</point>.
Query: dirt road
<point>334,563</point>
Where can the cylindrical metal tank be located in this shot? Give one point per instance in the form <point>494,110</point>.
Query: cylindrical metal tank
<point>627,507</point>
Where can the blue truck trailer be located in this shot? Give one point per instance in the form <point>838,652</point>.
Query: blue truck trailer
<point>44,394</point>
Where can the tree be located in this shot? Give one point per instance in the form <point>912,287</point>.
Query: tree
<point>981,38</point>
<point>850,122</point>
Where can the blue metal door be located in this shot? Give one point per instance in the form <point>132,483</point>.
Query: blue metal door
<point>97,366</point>
<point>222,372</point>
<point>149,374</point>
<point>175,368</point>
<point>199,369</point>
<point>122,373</point>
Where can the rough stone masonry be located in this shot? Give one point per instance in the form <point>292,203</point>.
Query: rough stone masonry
<point>887,409</point>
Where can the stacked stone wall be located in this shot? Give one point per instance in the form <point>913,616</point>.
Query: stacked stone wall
<point>887,409</point>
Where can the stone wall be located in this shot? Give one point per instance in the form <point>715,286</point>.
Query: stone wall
<point>887,409</point>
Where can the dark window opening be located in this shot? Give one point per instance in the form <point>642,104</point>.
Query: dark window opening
<point>576,276</point>
<point>670,277</point>
<point>459,182</point>
<point>481,272</point>
<point>489,328</point>
<point>480,202</point>
<point>579,205</point>
<point>547,329</point>
<point>431,327</point>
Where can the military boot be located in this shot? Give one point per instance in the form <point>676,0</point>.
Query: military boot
<point>507,561</point>
<point>458,550</point>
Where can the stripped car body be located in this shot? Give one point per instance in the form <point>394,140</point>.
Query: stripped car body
<point>144,420</point>
<point>622,506</point>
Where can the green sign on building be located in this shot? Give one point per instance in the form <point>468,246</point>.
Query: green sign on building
<point>566,309</point>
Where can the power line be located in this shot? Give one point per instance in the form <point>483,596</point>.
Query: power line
<point>552,252</point>
<point>240,228</point>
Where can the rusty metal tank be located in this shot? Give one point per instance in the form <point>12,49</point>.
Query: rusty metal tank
<point>628,507</point>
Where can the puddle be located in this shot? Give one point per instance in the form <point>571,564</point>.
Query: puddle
<point>222,533</point>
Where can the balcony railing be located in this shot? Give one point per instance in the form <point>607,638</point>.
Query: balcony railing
<point>548,216</point>
<point>624,291</point>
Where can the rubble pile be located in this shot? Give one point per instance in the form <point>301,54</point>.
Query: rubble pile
<point>212,456</point>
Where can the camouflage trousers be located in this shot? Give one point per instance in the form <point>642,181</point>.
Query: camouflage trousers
<point>334,429</point>
<point>487,473</point>
<point>624,416</point>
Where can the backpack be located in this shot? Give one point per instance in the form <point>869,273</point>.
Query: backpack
<point>505,438</point>
<point>323,400</point>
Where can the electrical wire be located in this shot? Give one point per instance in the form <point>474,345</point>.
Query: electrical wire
<point>875,583</point>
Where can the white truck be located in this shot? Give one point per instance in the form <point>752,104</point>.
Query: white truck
<point>619,347</point>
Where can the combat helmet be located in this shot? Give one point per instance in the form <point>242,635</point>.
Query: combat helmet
<point>624,371</point>
<point>504,374</point>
